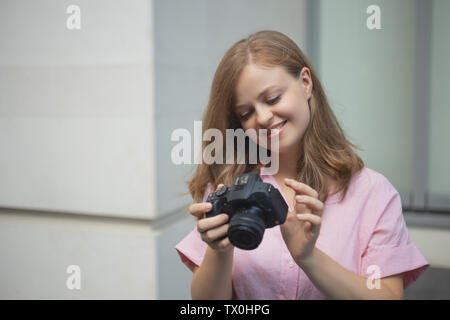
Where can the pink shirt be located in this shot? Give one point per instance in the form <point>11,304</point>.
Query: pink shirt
<point>367,228</point>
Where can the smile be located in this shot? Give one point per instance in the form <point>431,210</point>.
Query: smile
<point>277,130</point>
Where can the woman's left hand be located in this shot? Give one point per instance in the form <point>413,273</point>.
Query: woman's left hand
<point>302,226</point>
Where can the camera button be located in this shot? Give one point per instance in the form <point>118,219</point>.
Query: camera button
<point>221,191</point>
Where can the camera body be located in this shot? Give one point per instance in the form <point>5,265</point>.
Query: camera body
<point>252,206</point>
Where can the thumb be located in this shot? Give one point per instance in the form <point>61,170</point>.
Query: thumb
<point>288,228</point>
<point>290,217</point>
<point>219,186</point>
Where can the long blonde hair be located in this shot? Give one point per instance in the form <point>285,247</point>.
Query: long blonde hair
<point>326,150</point>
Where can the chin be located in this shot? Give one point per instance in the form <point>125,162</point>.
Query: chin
<point>287,146</point>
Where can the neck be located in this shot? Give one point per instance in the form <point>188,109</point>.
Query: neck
<point>288,163</point>
<point>288,168</point>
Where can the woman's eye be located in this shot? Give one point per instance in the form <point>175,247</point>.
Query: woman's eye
<point>274,100</point>
<point>245,116</point>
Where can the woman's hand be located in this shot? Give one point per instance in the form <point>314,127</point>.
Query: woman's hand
<point>302,226</point>
<point>212,230</point>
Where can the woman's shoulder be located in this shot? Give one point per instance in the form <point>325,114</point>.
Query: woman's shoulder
<point>369,181</point>
<point>369,178</point>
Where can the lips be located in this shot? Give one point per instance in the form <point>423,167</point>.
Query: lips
<point>277,129</point>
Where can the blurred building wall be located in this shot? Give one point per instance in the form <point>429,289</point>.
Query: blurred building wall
<point>382,85</point>
<point>86,117</point>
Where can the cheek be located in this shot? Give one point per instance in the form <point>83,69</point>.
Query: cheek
<point>291,109</point>
<point>302,114</point>
<point>299,118</point>
<point>249,128</point>
<point>252,133</point>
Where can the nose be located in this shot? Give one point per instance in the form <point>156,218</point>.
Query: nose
<point>263,116</point>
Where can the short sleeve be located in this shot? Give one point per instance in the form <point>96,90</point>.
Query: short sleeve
<point>390,248</point>
<point>192,248</point>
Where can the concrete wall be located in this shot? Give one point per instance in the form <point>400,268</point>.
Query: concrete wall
<point>434,243</point>
<point>85,120</point>
<point>116,257</point>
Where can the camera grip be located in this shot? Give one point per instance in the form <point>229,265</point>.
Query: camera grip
<point>217,202</point>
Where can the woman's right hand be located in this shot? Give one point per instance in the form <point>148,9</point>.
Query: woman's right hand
<point>213,230</point>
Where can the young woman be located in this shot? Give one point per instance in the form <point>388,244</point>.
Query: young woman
<point>344,236</point>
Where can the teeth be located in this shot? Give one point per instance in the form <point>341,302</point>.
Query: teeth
<point>275,130</point>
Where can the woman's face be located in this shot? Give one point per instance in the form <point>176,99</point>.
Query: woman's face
<point>270,98</point>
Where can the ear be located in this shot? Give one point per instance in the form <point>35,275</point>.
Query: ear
<point>306,81</point>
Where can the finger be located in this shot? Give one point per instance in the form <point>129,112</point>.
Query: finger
<point>222,244</point>
<point>215,233</point>
<point>205,224</point>
<point>291,224</point>
<point>290,217</point>
<point>301,188</point>
<point>219,186</point>
<point>312,218</point>
<point>301,208</point>
<point>315,204</point>
<point>198,209</point>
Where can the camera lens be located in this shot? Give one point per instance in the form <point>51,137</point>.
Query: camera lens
<point>246,228</point>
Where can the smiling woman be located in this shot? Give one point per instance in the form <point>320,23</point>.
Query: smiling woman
<point>344,220</point>
<point>261,82</point>
<point>287,111</point>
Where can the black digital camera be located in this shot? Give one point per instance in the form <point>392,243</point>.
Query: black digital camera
<point>252,206</point>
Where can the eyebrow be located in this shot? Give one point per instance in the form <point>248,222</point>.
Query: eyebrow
<point>259,95</point>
